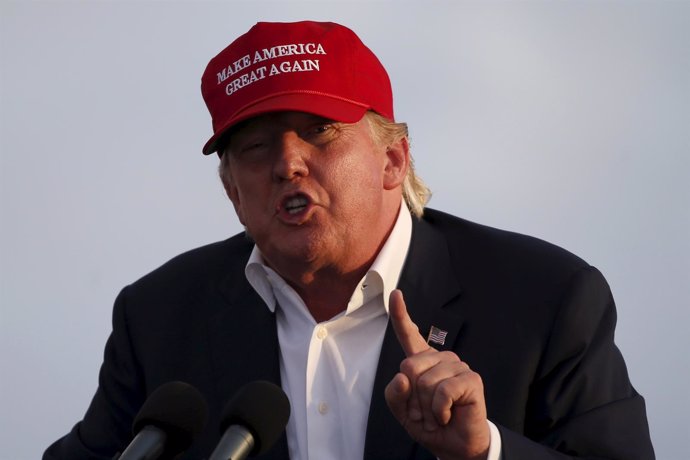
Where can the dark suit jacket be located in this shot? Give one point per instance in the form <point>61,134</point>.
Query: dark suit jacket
<point>533,320</point>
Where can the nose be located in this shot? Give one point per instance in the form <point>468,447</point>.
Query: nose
<point>291,157</point>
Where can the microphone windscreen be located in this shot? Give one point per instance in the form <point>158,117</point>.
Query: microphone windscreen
<point>261,407</point>
<point>177,408</point>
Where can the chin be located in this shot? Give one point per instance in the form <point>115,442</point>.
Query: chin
<point>305,248</point>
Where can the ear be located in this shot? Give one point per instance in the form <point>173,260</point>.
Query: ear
<point>396,164</point>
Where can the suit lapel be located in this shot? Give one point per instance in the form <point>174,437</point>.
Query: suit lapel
<point>430,288</point>
<point>244,319</point>
<point>429,285</point>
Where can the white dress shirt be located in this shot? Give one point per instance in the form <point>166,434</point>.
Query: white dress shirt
<point>327,369</point>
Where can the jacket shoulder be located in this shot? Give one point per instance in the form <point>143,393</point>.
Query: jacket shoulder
<point>487,246</point>
<point>199,266</point>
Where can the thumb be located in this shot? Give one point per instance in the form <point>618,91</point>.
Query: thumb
<point>397,393</point>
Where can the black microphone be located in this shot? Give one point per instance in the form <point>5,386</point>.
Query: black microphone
<point>252,421</point>
<point>167,422</point>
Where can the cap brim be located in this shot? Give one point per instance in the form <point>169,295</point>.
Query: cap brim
<point>323,105</point>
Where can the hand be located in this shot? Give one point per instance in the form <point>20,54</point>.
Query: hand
<point>436,397</point>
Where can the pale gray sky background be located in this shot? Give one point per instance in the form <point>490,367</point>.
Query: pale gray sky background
<point>564,120</point>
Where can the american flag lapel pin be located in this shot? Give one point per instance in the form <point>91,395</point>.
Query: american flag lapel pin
<point>437,336</point>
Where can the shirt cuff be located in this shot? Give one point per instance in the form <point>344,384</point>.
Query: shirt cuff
<point>495,443</point>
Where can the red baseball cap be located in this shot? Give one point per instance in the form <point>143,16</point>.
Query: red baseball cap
<point>321,68</point>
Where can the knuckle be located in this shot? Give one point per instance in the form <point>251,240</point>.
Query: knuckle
<point>412,330</point>
<point>425,382</point>
<point>407,367</point>
<point>446,390</point>
<point>475,379</point>
<point>449,356</point>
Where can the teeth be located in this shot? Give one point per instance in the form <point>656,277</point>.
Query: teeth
<point>296,204</point>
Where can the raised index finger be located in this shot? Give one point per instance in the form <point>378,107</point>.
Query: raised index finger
<point>405,329</point>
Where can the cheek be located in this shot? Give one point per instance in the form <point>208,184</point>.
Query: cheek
<point>355,180</point>
<point>253,204</point>
<point>238,196</point>
<point>237,203</point>
<point>242,192</point>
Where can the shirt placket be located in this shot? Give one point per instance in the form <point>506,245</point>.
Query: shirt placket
<point>322,423</point>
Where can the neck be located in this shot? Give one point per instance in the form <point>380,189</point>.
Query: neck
<point>327,286</point>
<point>327,294</point>
<point>326,290</point>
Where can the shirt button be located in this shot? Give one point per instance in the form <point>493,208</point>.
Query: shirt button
<point>323,408</point>
<point>321,332</point>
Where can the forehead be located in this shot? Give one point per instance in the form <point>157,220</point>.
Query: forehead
<point>277,120</point>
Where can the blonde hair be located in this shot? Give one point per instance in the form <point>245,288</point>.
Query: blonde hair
<point>415,192</point>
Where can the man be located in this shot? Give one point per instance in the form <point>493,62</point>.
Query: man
<point>397,332</point>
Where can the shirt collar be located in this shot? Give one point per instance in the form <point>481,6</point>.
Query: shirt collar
<point>382,277</point>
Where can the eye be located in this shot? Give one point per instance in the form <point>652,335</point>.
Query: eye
<point>250,149</point>
<point>250,143</point>
<point>320,129</point>
<point>251,146</point>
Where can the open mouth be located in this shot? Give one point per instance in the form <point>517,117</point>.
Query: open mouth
<point>296,204</point>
